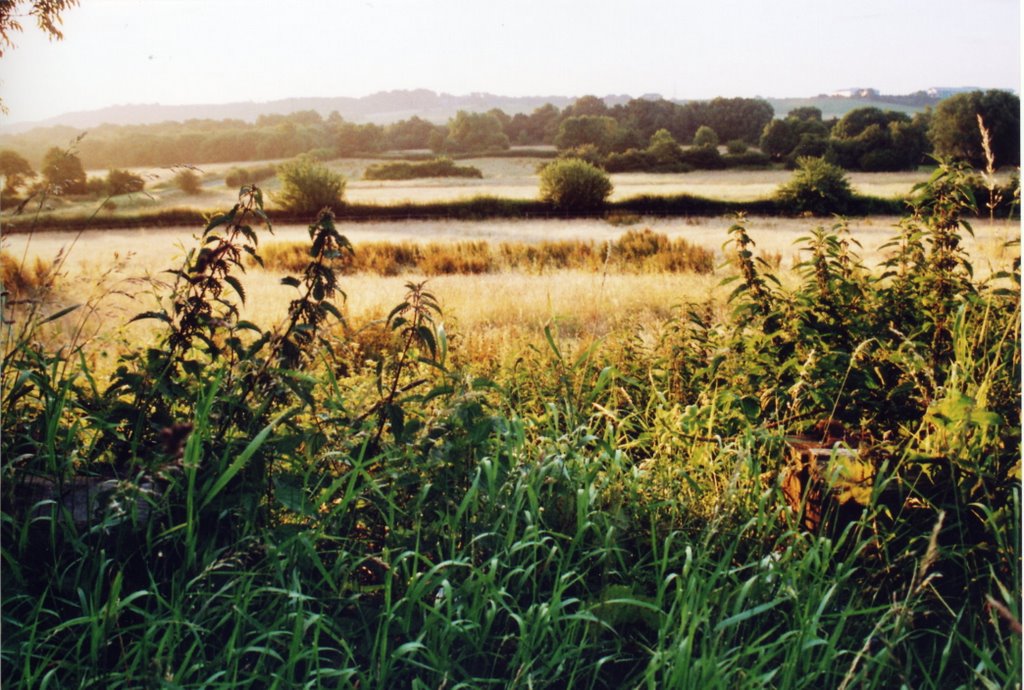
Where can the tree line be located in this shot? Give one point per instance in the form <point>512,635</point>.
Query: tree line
<point>642,134</point>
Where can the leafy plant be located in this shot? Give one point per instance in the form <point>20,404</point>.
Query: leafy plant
<point>574,185</point>
<point>817,187</point>
<point>308,186</point>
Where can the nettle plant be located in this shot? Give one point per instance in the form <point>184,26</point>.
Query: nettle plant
<point>217,396</point>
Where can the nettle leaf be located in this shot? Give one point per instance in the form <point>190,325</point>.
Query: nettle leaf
<point>426,336</point>
<point>158,315</point>
<point>291,281</point>
<point>234,283</point>
<point>332,310</point>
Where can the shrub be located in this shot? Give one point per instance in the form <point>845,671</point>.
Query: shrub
<point>308,186</point>
<point>747,159</point>
<point>736,146</point>
<point>124,182</point>
<point>705,137</point>
<point>188,181</point>
<point>240,177</point>
<point>817,187</point>
<point>438,167</point>
<point>585,152</point>
<point>703,158</point>
<point>574,185</point>
<point>628,161</point>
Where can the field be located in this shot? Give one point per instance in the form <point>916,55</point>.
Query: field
<point>513,178</point>
<point>799,468</point>
<point>583,304</point>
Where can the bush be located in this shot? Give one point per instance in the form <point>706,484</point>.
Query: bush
<point>628,161</point>
<point>438,167</point>
<point>574,185</point>
<point>705,137</point>
<point>188,181</point>
<point>736,146</point>
<point>124,182</point>
<point>747,159</point>
<point>703,158</point>
<point>817,187</point>
<point>240,177</point>
<point>308,186</point>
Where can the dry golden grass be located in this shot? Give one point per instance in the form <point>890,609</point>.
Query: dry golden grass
<point>494,315</point>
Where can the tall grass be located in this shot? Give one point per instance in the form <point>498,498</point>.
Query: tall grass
<point>250,506</point>
<point>635,251</point>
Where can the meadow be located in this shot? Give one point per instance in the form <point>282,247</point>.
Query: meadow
<point>510,178</point>
<point>798,467</point>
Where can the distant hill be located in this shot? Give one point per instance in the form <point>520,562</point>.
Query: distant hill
<point>390,106</point>
<point>381,108</point>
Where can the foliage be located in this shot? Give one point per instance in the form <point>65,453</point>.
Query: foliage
<point>599,131</point>
<point>241,177</point>
<point>705,137</point>
<point>778,139</point>
<point>475,132</point>
<point>438,167</point>
<point>188,181</point>
<point>954,127</point>
<point>15,169</point>
<point>663,149</point>
<point>872,140</point>
<point>307,186</point>
<point>574,185</point>
<point>124,182</point>
<point>736,147</point>
<point>817,187</point>
<point>250,507</point>
<point>47,14</point>
<point>703,158</point>
<point>63,172</point>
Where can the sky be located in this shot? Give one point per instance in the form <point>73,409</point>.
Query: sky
<point>175,52</point>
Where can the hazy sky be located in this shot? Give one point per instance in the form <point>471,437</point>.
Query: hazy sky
<point>216,51</point>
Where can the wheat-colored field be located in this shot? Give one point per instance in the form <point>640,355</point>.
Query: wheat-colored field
<point>493,315</point>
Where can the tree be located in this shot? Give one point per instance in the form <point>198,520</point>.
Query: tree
<point>663,149</point>
<point>47,14</point>
<point>778,139</point>
<point>807,113</point>
<point>874,140</point>
<point>601,131</point>
<point>413,133</point>
<point>14,169</point>
<point>816,187</point>
<point>63,172</point>
<point>123,182</point>
<point>574,185</point>
<point>954,129</point>
<point>475,132</point>
<point>738,118</point>
<point>587,105</point>
<point>308,186</point>
<point>705,137</point>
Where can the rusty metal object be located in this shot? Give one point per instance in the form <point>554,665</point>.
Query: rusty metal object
<point>826,478</point>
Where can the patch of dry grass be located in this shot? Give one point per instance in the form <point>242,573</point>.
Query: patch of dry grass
<point>495,314</point>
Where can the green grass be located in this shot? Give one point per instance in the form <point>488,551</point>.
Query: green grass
<point>293,511</point>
